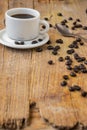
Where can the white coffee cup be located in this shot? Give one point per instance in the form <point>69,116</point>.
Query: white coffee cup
<point>24,29</point>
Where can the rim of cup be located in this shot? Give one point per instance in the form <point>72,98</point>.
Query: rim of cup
<point>13,11</point>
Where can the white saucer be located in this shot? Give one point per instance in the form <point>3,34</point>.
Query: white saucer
<point>5,40</point>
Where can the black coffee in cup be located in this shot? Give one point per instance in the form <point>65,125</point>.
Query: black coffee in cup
<point>22,16</point>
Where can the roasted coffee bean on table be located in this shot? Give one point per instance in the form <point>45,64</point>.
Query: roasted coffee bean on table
<point>39,49</point>
<point>84,27</point>
<point>74,23</point>
<point>59,14</point>
<point>33,104</point>
<point>67,26</point>
<point>68,62</point>
<point>50,47</point>
<point>81,43</point>
<point>46,19</point>
<point>76,87</point>
<point>71,46</point>
<point>49,42</point>
<point>71,51</point>
<point>70,18</point>
<point>85,62</point>
<point>56,48</point>
<point>61,59</point>
<point>78,26</point>
<point>60,41</point>
<point>67,57</point>
<point>78,39</point>
<point>66,77</point>
<point>73,28</point>
<point>50,62</point>
<point>54,52</point>
<point>86,11</point>
<point>71,89</point>
<point>50,25</point>
<point>69,67</point>
<point>78,20</point>
<point>63,83</point>
<point>84,94</point>
<point>72,74</point>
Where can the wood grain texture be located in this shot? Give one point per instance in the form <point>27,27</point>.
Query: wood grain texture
<point>26,76</point>
<point>15,69</point>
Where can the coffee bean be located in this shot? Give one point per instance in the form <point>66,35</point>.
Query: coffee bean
<point>56,48</point>
<point>69,67</point>
<point>72,74</point>
<point>78,26</point>
<point>76,56</point>
<point>76,69</point>
<point>55,126</point>
<point>49,42</point>
<point>19,42</point>
<point>70,18</point>
<point>73,28</point>
<point>43,26</point>
<point>63,83</point>
<point>84,27</point>
<point>81,59</point>
<point>84,70</point>
<point>33,104</point>
<point>67,26</point>
<point>70,51</point>
<point>60,41</point>
<point>50,62</point>
<point>34,42</point>
<point>82,66</point>
<point>78,39</point>
<point>81,43</point>
<point>59,14</point>
<point>54,52</point>
<point>68,62</point>
<point>46,120</point>
<point>76,87</point>
<point>67,57</point>
<point>65,77</point>
<point>71,46</point>
<point>86,11</point>
<point>78,20</point>
<point>63,23</point>
<point>46,19</point>
<point>71,89</point>
<point>39,49</point>
<point>50,47</point>
<point>76,46</point>
<point>85,62</point>
<point>40,40</point>
<point>74,23</point>
<point>61,59</point>
<point>75,42</point>
<point>50,25</point>
<point>84,94</point>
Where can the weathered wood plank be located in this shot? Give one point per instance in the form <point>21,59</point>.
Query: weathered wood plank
<point>15,71</point>
<point>58,105</point>
<point>25,75</point>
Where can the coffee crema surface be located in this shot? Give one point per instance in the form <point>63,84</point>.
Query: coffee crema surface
<point>23,16</point>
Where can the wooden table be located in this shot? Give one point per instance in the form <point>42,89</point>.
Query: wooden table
<point>26,76</point>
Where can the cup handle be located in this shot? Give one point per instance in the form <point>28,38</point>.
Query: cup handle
<point>43,22</point>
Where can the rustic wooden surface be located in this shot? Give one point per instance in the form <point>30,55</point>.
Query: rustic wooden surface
<point>25,75</point>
